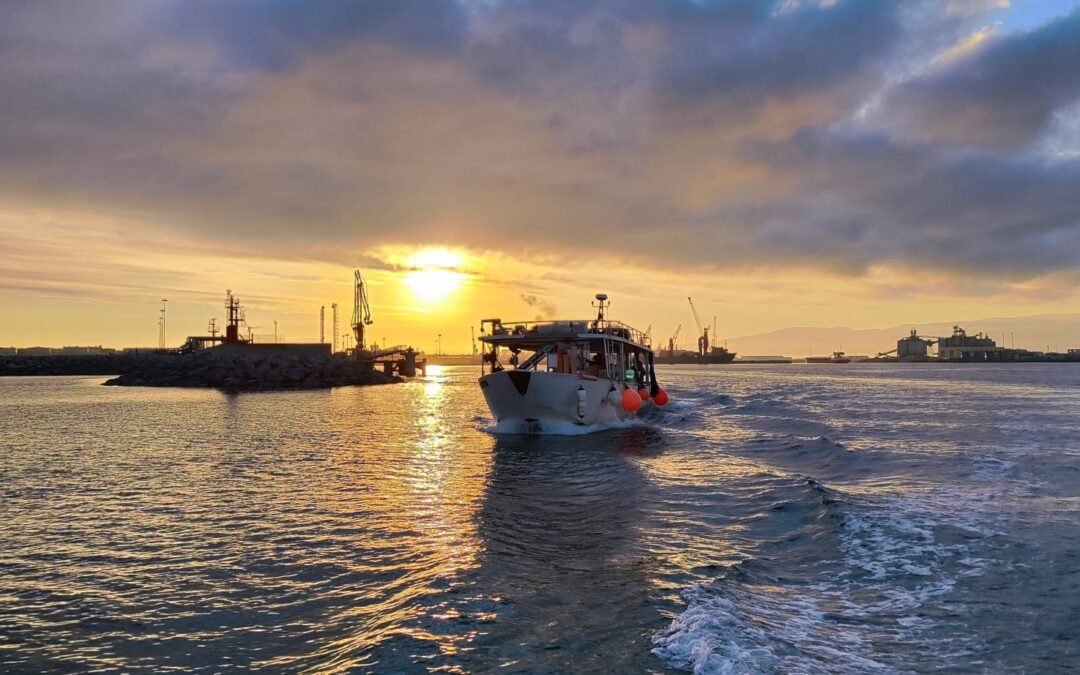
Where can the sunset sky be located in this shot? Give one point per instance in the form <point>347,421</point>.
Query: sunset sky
<point>820,163</point>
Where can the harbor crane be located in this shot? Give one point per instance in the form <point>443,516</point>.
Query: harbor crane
<point>703,332</point>
<point>361,315</point>
<point>672,339</point>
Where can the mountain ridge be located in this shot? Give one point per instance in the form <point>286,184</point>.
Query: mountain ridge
<point>1057,331</point>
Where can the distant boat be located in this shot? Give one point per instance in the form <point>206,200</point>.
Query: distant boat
<point>580,372</point>
<point>837,357</point>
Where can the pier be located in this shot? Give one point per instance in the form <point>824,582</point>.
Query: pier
<point>397,360</point>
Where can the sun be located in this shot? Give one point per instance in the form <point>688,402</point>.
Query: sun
<point>433,285</point>
<point>434,274</point>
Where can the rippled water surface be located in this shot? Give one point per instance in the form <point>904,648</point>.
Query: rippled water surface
<point>773,518</point>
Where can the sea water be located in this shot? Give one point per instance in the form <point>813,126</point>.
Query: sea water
<point>784,518</point>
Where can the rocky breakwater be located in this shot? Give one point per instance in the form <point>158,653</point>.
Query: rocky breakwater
<point>232,372</point>
<point>84,364</point>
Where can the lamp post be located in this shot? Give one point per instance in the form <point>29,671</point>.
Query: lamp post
<point>164,336</point>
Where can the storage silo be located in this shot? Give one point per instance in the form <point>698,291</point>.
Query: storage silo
<point>912,346</point>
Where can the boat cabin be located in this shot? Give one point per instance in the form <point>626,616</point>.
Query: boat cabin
<point>598,349</point>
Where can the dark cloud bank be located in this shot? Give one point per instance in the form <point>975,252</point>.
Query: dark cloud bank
<point>727,133</point>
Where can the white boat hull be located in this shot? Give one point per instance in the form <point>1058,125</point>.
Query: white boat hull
<point>531,397</point>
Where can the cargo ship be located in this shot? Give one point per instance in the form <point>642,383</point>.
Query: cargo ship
<point>683,356</point>
<point>837,357</point>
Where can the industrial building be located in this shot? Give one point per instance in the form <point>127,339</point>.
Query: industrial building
<point>913,347</point>
<point>958,347</point>
<point>979,347</point>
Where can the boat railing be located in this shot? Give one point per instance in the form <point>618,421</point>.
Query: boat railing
<point>497,327</point>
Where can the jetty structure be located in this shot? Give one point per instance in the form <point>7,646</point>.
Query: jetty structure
<point>236,358</point>
<point>235,362</point>
<point>400,359</point>
<point>235,343</point>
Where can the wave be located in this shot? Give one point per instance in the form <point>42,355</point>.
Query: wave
<point>820,456</point>
<point>881,568</point>
<point>761,405</point>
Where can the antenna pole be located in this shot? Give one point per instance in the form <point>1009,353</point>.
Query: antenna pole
<point>601,304</point>
<point>164,338</point>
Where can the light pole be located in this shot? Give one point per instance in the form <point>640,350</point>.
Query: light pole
<point>164,337</point>
<point>438,346</point>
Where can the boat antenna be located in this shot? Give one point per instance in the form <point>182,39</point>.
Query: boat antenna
<point>600,304</point>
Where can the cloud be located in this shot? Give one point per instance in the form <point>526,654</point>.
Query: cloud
<point>663,133</point>
<point>973,7</point>
<point>1001,93</point>
<point>866,199</point>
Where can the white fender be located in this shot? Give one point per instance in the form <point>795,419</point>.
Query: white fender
<point>581,394</point>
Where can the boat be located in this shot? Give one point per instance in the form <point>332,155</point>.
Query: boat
<point>582,372</point>
<point>684,356</point>
<point>837,357</point>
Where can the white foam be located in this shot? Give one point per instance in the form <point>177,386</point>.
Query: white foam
<point>988,468</point>
<point>555,428</point>
<point>892,565</point>
<point>709,638</point>
<point>777,632</point>
<point>682,404</point>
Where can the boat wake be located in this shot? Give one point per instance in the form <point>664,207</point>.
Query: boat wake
<point>895,560</point>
